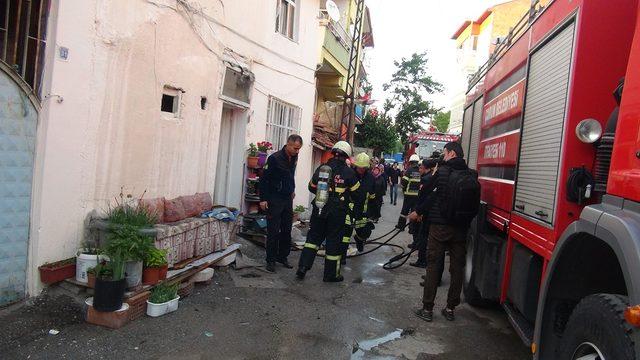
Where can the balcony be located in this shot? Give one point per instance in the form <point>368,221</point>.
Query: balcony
<point>334,61</point>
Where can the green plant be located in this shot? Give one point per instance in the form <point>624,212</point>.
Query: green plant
<point>111,270</point>
<point>155,258</point>
<point>163,293</point>
<point>89,248</point>
<point>127,243</point>
<point>253,150</point>
<point>300,209</point>
<point>127,212</point>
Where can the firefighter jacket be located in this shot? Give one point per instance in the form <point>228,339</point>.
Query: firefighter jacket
<point>278,179</point>
<point>366,191</point>
<point>342,189</point>
<point>411,181</point>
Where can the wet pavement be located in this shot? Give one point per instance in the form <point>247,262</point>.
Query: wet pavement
<point>251,314</point>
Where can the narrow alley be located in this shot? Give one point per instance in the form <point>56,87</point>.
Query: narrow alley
<point>251,314</point>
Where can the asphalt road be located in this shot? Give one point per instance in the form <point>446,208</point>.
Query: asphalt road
<point>250,314</point>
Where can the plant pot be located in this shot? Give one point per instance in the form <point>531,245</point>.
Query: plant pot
<point>262,159</point>
<point>296,216</point>
<point>83,263</point>
<point>91,280</point>
<point>133,270</point>
<point>163,272</point>
<point>252,162</point>
<point>151,275</point>
<point>155,310</point>
<point>57,271</point>
<point>173,304</point>
<point>108,294</point>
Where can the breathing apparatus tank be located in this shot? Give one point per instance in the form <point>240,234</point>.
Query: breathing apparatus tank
<point>324,184</point>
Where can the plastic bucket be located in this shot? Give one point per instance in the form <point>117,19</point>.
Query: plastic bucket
<point>83,263</point>
<point>133,270</point>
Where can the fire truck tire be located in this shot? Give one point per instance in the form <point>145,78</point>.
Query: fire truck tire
<point>471,293</point>
<point>597,327</point>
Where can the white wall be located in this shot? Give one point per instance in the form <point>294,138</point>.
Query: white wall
<point>109,132</point>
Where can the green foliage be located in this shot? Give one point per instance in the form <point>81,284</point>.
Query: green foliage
<point>253,150</point>
<point>126,242</point>
<point>441,121</point>
<point>300,209</point>
<point>124,213</point>
<point>163,293</point>
<point>409,85</point>
<point>376,132</point>
<point>155,258</point>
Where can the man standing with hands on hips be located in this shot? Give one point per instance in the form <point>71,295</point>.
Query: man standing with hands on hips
<point>277,190</point>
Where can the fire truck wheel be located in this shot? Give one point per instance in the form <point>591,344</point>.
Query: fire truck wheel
<point>597,330</point>
<point>471,293</point>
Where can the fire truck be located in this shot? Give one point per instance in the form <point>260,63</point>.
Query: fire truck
<point>552,125</point>
<point>426,143</point>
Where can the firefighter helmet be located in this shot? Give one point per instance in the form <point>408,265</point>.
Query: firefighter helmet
<point>414,158</point>
<point>362,161</point>
<point>342,148</point>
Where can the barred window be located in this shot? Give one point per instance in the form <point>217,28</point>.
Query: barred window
<point>282,120</point>
<point>23,26</point>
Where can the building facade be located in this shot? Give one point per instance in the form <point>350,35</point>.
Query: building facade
<point>153,97</point>
<point>475,41</point>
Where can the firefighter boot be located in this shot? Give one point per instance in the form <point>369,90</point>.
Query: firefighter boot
<point>332,269</point>
<point>307,256</point>
<point>359,243</point>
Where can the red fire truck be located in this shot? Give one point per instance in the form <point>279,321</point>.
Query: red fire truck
<point>552,125</point>
<point>425,143</point>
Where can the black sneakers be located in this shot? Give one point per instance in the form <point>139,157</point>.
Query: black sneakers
<point>448,314</point>
<point>271,267</point>
<point>302,271</point>
<point>335,279</point>
<point>285,264</point>
<point>426,315</point>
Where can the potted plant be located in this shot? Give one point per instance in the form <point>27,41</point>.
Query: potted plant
<point>155,266</point>
<point>133,248</point>
<point>252,158</point>
<point>51,273</point>
<point>297,211</point>
<point>91,277</point>
<point>110,283</point>
<point>263,147</point>
<point>86,258</point>
<point>164,299</point>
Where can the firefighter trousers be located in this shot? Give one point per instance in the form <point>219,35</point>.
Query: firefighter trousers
<point>329,229</point>
<point>408,205</point>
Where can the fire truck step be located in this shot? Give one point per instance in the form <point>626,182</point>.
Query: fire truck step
<point>523,327</point>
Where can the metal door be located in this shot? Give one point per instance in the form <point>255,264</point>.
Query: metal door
<point>18,119</point>
<point>472,156</point>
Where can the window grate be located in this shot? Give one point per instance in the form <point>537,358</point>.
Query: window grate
<point>283,119</point>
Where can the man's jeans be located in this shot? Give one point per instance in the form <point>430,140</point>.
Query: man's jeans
<point>393,192</point>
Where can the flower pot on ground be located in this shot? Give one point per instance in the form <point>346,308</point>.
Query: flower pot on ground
<point>133,271</point>
<point>91,280</point>
<point>164,298</point>
<point>86,259</point>
<point>57,271</point>
<point>128,244</point>
<point>110,285</point>
<point>155,265</point>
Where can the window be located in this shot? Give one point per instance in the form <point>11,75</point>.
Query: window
<point>236,87</point>
<point>282,120</point>
<point>23,25</point>
<point>286,16</point>
<point>170,102</point>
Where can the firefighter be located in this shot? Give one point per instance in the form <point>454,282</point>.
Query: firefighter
<point>410,187</point>
<point>335,185</point>
<point>362,225</point>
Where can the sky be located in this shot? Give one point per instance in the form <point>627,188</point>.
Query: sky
<point>402,27</point>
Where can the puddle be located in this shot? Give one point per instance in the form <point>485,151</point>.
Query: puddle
<point>367,345</point>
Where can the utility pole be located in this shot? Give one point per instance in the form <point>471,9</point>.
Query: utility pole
<point>348,106</point>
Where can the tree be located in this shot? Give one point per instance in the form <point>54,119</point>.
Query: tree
<point>441,121</point>
<point>376,132</point>
<point>409,85</point>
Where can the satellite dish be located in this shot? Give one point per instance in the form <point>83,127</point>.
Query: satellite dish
<point>333,10</point>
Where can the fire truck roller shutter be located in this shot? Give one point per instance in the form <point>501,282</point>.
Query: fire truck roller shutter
<point>472,155</point>
<point>544,115</point>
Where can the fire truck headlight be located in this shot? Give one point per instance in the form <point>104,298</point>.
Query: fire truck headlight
<point>589,131</point>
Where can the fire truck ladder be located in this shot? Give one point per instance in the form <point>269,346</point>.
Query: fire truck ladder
<point>348,106</point>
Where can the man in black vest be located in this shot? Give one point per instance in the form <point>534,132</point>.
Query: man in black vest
<point>277,190</point>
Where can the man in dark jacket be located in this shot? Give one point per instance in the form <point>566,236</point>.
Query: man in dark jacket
<point>394,175</point>
<point>443,236</point>
<point>427,168</point>
<point>277,190</point>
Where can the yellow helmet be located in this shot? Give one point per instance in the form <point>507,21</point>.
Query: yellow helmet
<point>342,147</point>
<point>362,160</point>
